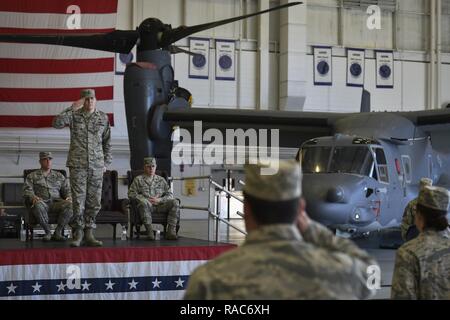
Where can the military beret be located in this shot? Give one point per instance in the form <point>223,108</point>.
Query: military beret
<point>274,181</point>
<point>88,93</point>
<point>435,198</point>
<point>45,155</point>
<point>149,161</point>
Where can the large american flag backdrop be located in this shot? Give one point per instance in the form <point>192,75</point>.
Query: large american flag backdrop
<point>39,81</point>
<point>153,273</point>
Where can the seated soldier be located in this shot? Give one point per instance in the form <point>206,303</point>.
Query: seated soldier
<point>151,193</point>
<point>47,190</point>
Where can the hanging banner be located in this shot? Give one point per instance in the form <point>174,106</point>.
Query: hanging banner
<point>323,75</point>
<point>385,69</point>
<point>355,67</point>
<point>199,63</point>
<point>225,54</point>
<point>323,66</point>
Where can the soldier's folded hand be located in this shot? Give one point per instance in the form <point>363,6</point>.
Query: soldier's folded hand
<point>154,200</point>
<point>69,199</point>
<point>35,200</point>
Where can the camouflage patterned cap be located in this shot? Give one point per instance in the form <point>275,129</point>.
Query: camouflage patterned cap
<point>45,155</point>
<point>149,161</point>
<point>285,182</point>
<point>435,198</point>
<point>87,93</point>
<point>425,182</point>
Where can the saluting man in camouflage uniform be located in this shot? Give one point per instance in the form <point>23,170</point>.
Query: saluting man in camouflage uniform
<point>408,227</point>
<point>89,155</point>
<point>422,265</point>
<point>48,190</point>
<point>285,254</point>
<point>152,193</point>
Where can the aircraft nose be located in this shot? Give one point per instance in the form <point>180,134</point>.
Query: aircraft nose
<point>336,195</point>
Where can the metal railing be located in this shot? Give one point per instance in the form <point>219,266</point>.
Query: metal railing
<point>212,213</point>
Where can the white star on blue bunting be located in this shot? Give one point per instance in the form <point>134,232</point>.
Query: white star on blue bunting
<point>12,288</point>
<point>156,283</point>
<point>133,284</point>
<point>61,287</point>
<point>109,285</point>
<point>85,285</point>
<point>36,287</point>
<point>179,282</point>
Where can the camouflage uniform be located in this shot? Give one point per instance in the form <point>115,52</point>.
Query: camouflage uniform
<point>407,226</point>
<point>144,187</point>
<point>52,189</point>
<point>422,267</point>
<point>90,152</point>
<point>276,263</point>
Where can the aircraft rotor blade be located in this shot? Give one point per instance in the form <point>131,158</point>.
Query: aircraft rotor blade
<point>172,36</point>
<point>175,49</point>
<point>119,41</point>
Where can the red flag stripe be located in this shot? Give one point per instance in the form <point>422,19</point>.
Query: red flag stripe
<point>51,95</point>
<point>49,66</point>
<point>54,32</point>
<point>111,255</point>
<point>34,121</point>
<point>60,6</point>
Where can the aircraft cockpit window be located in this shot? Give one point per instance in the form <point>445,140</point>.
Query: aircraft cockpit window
<point>315,159</point>
<point>353,160</point>
<point>382,165</point>
<point>381,158</point>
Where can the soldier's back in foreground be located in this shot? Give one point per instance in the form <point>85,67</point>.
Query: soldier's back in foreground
<point>285,255</point>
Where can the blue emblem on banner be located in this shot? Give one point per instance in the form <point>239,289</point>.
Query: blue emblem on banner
<point>225,62</point>
<point>385,71</point>
<point>323,68</point>
<point>199,60</point>
<point>355,69</point>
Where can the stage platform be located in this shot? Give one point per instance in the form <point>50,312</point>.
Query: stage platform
<point>136,269</point>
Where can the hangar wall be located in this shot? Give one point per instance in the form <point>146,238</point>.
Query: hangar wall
<point>19,147</point>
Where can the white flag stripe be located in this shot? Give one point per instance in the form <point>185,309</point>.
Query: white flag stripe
<point>45,108</point>
<point>44,51</point>
<point>55,21</point>
<point>60,81</point>
<point>143,295</point>
<point>105,270</point>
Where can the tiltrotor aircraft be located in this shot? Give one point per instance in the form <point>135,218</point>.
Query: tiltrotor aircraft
<point>360,170</point>
<point>149,85</point>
